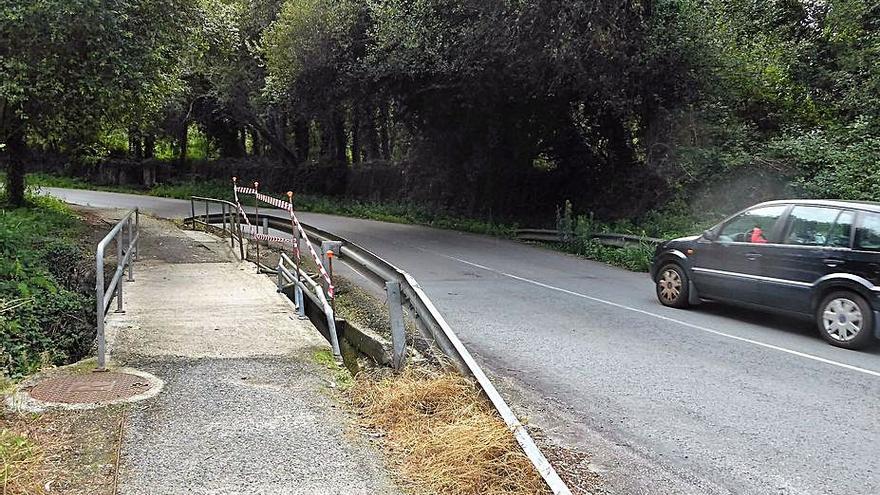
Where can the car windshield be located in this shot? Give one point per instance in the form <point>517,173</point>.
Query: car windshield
<point>753,226</point>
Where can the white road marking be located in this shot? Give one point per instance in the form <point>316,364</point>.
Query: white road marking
<point>671,320</point>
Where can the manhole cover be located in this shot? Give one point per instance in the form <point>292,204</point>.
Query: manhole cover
<point>89,388</point>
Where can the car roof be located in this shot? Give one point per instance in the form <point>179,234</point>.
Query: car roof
<point>836,203</point>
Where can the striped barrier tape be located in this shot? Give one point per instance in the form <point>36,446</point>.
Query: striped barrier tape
<point>245,190</point>
<point>270,238</point>
<point>284,205</point>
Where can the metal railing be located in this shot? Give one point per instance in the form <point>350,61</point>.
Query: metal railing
<point>607,239</point>
<point>228,217</point>
<point>126,255</point>
<point>299,279</point>
<point>430,324</point>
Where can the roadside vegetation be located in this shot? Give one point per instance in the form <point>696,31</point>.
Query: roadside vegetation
<point>443,435</point>
<point>46,306</point>
<point>371,210</point>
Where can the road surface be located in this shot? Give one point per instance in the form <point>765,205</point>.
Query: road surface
<point>704,401</point>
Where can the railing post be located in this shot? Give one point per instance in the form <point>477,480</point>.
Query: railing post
<point>129,247</point>
<point>240,236</point>
<point>299,301</point>
<point>256,221</point>
<point>137,232</point>
<point>119,236</point>
<point>99,293</point>
<point>398,329</point>
<point>223,215</point>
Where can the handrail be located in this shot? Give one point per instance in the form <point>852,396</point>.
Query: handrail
<point>284,274</point>
<point>228,214</point>
<point>431,324</point>
<point>125,257</point>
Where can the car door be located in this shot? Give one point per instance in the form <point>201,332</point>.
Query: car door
<point>815,242</point>
<point>864,260</point>
<point>728,266</point>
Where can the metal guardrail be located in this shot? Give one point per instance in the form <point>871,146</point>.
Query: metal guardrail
<point>228,216</point>
<point>432,325</point>
<point>126,255</point>
<point>607,239</point>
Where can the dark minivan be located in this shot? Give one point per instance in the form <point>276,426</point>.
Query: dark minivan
<point>811,257</point>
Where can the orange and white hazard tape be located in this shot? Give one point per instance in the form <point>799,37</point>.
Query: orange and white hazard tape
<point>287,206</point>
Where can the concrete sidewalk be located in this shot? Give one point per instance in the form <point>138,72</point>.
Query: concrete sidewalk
<point>246,408</point>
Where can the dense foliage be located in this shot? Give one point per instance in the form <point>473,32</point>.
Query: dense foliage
<point>494,108</point>
<point>46,316</point>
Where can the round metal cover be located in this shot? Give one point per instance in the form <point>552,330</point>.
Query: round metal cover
<point>89,388</point>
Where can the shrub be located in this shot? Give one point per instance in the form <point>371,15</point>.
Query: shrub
<point>46,309</point>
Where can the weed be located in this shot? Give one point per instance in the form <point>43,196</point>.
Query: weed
<point>340,375</point>
<point>21,460</point>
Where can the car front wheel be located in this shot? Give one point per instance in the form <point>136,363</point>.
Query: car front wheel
<point>672,286</point>
<point>845,319</point>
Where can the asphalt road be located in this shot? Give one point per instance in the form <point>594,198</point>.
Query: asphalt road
<point>711,400</point>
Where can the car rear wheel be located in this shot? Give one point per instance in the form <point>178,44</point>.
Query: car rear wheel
<point>845,319</point>
<point>672,286</point>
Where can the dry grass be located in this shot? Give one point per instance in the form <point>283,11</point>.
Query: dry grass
<point>443,437</point>
<point>22,468</point>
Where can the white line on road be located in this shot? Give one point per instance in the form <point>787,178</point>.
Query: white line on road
<point>672,320</point>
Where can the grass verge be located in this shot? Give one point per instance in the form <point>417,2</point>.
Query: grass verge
<point>22,464</point>
<point>443,437</point>
<point>46,287</point>
<point>386,212</point>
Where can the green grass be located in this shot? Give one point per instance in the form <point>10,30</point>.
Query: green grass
<point>340,374</point>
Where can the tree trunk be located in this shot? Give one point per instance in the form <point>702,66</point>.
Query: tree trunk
<point>135,145</point>
<point>256,143</point>
<point>371,136</point>
<point>303,140</point>
<point>385,134</point>
<point>149,146</point>
<point>340,140</point>
<point>183,142</point>
<point>15,167</point>
<point>356,135</point>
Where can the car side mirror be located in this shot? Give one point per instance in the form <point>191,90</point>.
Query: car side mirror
<point>709,235</point>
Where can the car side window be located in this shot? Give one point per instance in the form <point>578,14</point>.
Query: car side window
<point>818,226</point>
<point>868,233</point>
<point>752,226</point>
<point>840,233</point>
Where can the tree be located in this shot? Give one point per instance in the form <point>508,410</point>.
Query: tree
<point>69,68</point>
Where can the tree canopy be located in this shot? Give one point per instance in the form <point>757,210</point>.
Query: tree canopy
<point>486,107</point>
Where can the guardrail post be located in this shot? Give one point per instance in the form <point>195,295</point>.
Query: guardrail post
<point>398,329</point>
